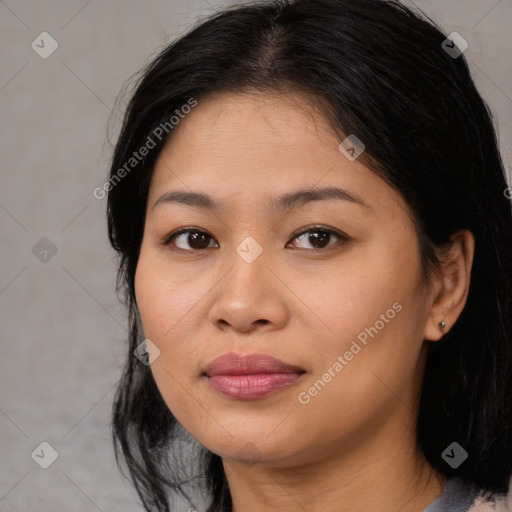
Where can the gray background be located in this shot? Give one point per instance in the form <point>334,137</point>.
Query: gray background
<point>62,327</point>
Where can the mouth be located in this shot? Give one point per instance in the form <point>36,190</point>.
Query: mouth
<point>250,376</point>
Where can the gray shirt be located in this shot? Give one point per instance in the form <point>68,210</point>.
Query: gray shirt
<point>457,497</point>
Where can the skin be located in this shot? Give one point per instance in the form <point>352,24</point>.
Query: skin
<point>297,302</point>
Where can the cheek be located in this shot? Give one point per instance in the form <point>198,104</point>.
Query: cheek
<point>351,294</point>
<point>162,298</point>
<point>170,301</point>
<point>372,315</point>
<point>163,307</point>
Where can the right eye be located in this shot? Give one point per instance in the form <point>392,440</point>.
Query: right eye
<point>193,237</point>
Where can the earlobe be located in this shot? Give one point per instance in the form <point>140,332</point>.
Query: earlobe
<point>452,288</point>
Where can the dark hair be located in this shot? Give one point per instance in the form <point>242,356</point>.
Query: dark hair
<point>379,71</point>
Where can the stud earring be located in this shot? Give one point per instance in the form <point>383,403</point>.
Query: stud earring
<point>442,325</point>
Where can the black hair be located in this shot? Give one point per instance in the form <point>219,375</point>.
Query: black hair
<point>380,71</point>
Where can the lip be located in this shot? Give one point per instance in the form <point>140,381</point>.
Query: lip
<point>250,376</point>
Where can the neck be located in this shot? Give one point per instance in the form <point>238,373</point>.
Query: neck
<point>375,474</point>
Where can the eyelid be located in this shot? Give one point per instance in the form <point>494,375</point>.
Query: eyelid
<point>319,227</point>
<point>168,238</point>
<point>312,227</point>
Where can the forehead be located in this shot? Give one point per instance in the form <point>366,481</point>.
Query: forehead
<point>248,145</point>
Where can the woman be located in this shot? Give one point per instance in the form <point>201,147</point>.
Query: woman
<point>315,247</point>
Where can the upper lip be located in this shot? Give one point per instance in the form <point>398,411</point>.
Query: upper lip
<point>247,364</point>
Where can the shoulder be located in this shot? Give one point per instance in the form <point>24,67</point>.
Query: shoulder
<point>459,496</point>
<point>497,504</point>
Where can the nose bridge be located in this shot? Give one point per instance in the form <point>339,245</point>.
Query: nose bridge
<point>247,294</point>
<point>249,261</point>
<point>250,250</point>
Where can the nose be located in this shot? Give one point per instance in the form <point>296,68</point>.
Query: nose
<point>250,296</point>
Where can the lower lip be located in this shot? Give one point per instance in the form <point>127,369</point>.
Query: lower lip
<point>250,387</point>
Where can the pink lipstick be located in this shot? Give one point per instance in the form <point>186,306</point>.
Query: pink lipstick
<point>250,376</point>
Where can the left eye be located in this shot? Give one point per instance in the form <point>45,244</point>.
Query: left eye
<point>318,236</point>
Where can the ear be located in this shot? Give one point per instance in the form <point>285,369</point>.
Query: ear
<point>450,290</point>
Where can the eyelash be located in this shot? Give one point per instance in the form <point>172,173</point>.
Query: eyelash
<point>313,228</point>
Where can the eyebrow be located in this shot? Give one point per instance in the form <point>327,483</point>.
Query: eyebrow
<point>287,201</point>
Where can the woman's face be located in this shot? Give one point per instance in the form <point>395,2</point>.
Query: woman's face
<point>253,276</point>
